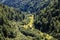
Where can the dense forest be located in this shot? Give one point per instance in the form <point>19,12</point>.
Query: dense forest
<point>42,25</point>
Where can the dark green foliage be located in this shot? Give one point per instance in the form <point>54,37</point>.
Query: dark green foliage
<point>46,21</point>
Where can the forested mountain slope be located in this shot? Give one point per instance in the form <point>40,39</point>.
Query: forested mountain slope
<point>27,5</point>
<point>17,25</point>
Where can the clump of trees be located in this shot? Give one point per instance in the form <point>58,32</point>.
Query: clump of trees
<point>47,20</point>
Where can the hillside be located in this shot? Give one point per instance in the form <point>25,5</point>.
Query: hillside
<point>30,6</point>
<point>17,25</point>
